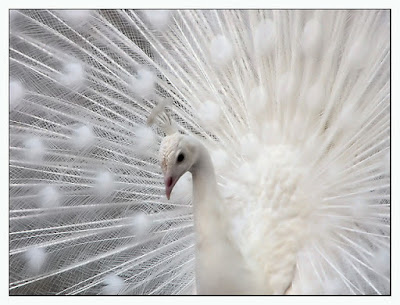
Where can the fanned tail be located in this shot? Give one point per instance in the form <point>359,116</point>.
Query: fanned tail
<point>294,107</point>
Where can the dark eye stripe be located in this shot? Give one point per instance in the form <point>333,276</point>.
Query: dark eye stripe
<point>180,158</point>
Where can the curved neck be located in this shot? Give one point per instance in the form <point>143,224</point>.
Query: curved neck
<point>204,180</point>
<point>220,268</point>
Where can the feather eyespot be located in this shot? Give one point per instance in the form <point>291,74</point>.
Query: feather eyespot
<point>180,158</point>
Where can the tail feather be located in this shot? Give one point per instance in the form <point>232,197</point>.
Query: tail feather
<point>294,106</point>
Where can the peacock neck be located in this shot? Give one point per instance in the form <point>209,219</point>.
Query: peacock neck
<point>220,267</point>
<point>204,181</point>
<point>212,246</point>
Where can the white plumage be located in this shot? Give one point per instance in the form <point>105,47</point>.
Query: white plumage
<point>281,117</point>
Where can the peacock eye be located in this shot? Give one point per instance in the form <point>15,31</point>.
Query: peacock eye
<point>180,158</point>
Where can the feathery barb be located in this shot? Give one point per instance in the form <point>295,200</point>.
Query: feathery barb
<point>159,111</point>
<point>293,107</point>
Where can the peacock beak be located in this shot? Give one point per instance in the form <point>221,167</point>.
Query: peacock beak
<point>169,182</point>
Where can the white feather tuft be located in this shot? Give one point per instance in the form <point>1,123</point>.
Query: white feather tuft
<point>209,113</point>
<point>258,101</point>
<point>221,50</point>
<point>35,149</point>
<point>270,133</point>
<point>141,224</point>
<point>83,137</point>
<point>114,285</point>
<point>159,112</point>
<point>249,145</point>
<point>220,159</point>
<point>49,197</point>
<point>104,183</point>
<point>264,37</point>
<point>359,207</point>
<point>358,54</point>
<point>247,174</point>
<point>145,141</point>
<point>143,83</point>
<point>159,19</point>
<point>312,38</point>
<point>35,259</point>
<point>17,93</point>
<point>73,75</point>
<point>230,190</point>
<point>347,119</point>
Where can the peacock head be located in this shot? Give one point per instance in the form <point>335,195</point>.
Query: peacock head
<point>177,155</point>
<point>178,152</point>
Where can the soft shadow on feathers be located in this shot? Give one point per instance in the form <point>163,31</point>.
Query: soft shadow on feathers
<point>292,106</point>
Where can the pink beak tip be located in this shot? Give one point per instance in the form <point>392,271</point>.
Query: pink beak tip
<point>168,187</point>
<point>168,182</point>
